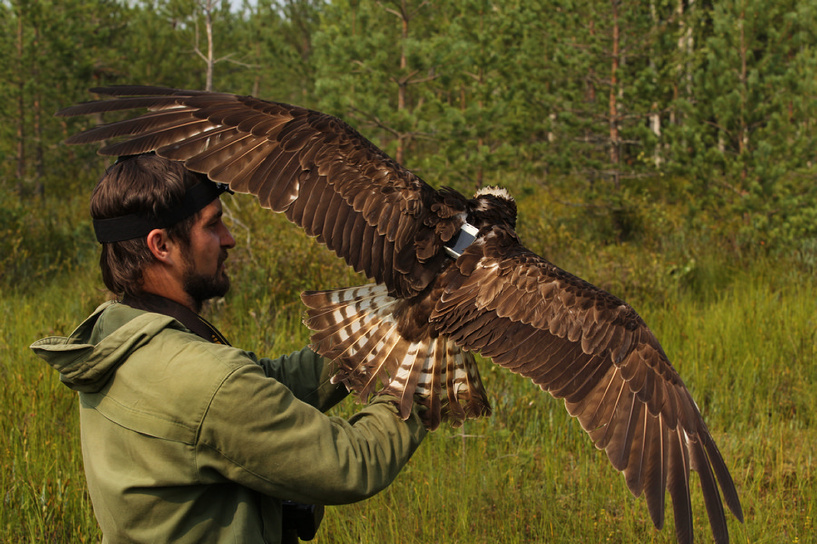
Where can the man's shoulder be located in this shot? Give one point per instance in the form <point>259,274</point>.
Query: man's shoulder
<point>164,387</point>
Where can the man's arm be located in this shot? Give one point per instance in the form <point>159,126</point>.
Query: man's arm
<point>307,375</point>
<point>257,433</point>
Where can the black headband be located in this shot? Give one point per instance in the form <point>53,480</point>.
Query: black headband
<point>135,225</point>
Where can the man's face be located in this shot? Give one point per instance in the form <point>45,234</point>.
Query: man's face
<point>205,276</point>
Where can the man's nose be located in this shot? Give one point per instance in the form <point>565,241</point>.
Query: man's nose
<point>227,239</point>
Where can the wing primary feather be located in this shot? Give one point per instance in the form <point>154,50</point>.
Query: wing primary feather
<point>122,104</point>
<point>620,441</point>
<point>678,485</point>
<point>730,494</point>
<point>150,141</point>
<point>150,122</point>
<point>712,499</point>
<point>639,451</point>
<point>655,460</point>
<point>604,433</point>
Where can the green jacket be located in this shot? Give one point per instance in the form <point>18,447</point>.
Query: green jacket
<point>184,440</point>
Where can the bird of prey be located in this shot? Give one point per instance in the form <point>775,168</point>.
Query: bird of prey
<point>450,278</point>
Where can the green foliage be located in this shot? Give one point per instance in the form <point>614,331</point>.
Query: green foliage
<point>50,51</point>
<point>381,71</point>
<point>754,125</point>
<point>41,238</point>
<point>716,96</point>
<point>43,485</point>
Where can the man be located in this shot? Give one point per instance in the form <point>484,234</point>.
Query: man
<point>185,438</point>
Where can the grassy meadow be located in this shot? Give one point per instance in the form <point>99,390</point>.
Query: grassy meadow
<point>738,321</point>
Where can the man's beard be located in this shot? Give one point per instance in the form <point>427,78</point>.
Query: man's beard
<point>203,287</point>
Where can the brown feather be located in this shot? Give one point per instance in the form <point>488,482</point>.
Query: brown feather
<point>714,507</point>
<point>678,485</point>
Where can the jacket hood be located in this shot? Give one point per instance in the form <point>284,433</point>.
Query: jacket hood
<point>87,358</point>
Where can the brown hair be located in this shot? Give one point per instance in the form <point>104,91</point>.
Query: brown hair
<point>144,184</point>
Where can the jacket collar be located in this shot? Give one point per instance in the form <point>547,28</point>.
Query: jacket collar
<point>184,315</point>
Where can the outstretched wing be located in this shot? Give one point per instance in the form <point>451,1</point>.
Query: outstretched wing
<point>327,178</point>
<point>586,346</point>
<point>574,340</point>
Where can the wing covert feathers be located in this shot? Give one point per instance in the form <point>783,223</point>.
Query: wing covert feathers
<point>356,328</point>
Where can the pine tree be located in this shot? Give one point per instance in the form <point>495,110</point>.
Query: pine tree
<point>376,63</point>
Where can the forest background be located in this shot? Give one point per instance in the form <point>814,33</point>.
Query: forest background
<point>663,149</point>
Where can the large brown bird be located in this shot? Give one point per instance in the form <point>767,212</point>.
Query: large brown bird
<point>451,278</point>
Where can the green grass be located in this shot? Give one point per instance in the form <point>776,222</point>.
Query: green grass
<point>741,332</point>
<point>42,479</point>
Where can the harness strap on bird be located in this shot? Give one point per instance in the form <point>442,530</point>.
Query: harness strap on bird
<point>467,235</point>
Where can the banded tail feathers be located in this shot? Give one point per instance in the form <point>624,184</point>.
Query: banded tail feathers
<point>357,329</point>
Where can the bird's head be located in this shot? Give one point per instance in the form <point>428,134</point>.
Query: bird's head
<point>494,205</point>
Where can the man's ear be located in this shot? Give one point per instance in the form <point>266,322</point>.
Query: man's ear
<point>161,246</point>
